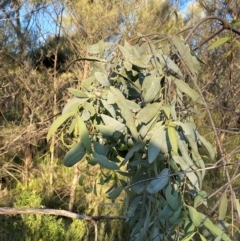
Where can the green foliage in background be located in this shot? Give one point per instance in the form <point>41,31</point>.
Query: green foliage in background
<point>132,118</point>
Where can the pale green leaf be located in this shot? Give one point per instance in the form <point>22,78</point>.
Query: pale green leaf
<point>196,217</point>
<point>185,88</point>
<point>172,135</point>
<point>150,87</point>
<point>102,78</point>
<point>57,123</point>
<point>85,115</point>
<point>208,146</point>
<point>167,111</point>
<point>97,48</point>
<point>202,237</point>
<point>186,55</point>
<point>109,108</point>
<point>74,155</point>
<point>78,93</point>
<point>109,121</point>
<point>88,106</point>
<point>158,184</point>
<point>105,130</point>
<point>223,207</point>
<point>147,113</point>
<point>73,105</point>
<point>168,63</point>
<point>188,237</point>
<point>84,133</point>
<point>219,42</point>
<point>215,230</point>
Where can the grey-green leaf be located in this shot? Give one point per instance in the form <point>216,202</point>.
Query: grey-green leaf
<point>109,121</point>
<point>57,123</point>
<point>75,155</point>
<point>158,184</point>
<point>104,162</point>
<point>113,194</point>
<point>102,79</point>
<point>157,143</point>
<point>147,113</point>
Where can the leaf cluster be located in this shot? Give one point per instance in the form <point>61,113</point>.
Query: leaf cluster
<point>133,118</point>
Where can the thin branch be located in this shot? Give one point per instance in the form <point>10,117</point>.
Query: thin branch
<point>55,212</point>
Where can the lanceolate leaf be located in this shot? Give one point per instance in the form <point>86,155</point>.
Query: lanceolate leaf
<point>126,113</point>
<point>172,201</point>
<point>75,155</point>
<point>102,78</point>
<point>109,121</point>
<point>84,134</point>
<point>219,42</point>
<point>113,194</point>
<point>104,162</point>
<point>172,135</point>
<point>78,93</point>
<point>148,112</point>
<point>150,87</point>
<point>208,146</point>
<point>223,207</point>
<point>57,123</point>
<point>158,184</point>
<point>157,143</point>
<point>185,88</point>
<point>73,105</point>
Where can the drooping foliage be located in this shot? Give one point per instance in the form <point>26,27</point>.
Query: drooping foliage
<point>133,118</point>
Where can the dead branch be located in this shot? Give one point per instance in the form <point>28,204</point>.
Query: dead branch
<point>45,211</point>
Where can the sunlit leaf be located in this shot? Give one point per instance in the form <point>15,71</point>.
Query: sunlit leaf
<point>105,130</point>
<point>57,123</point>
<point>208,146</point>
<point>158,184</point>
<point>202,237</point>
<point>102,78</point>
<point>168,63</point>
<point>196,217</point>
<point>172,135</point>
<point>73,105</point>
<point>94,49</point>
<point>157,143</point>
<point>223,207</point>
<point>78,93</point>
<point>84,134</point>
<point>74,155</point>
<point>147,113</point>
<point>109,121</point>
<point>215,230</point>
<point>150,87</point>
<point>188,237</point>
<point>185,88</point>
<point>219,42</point>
